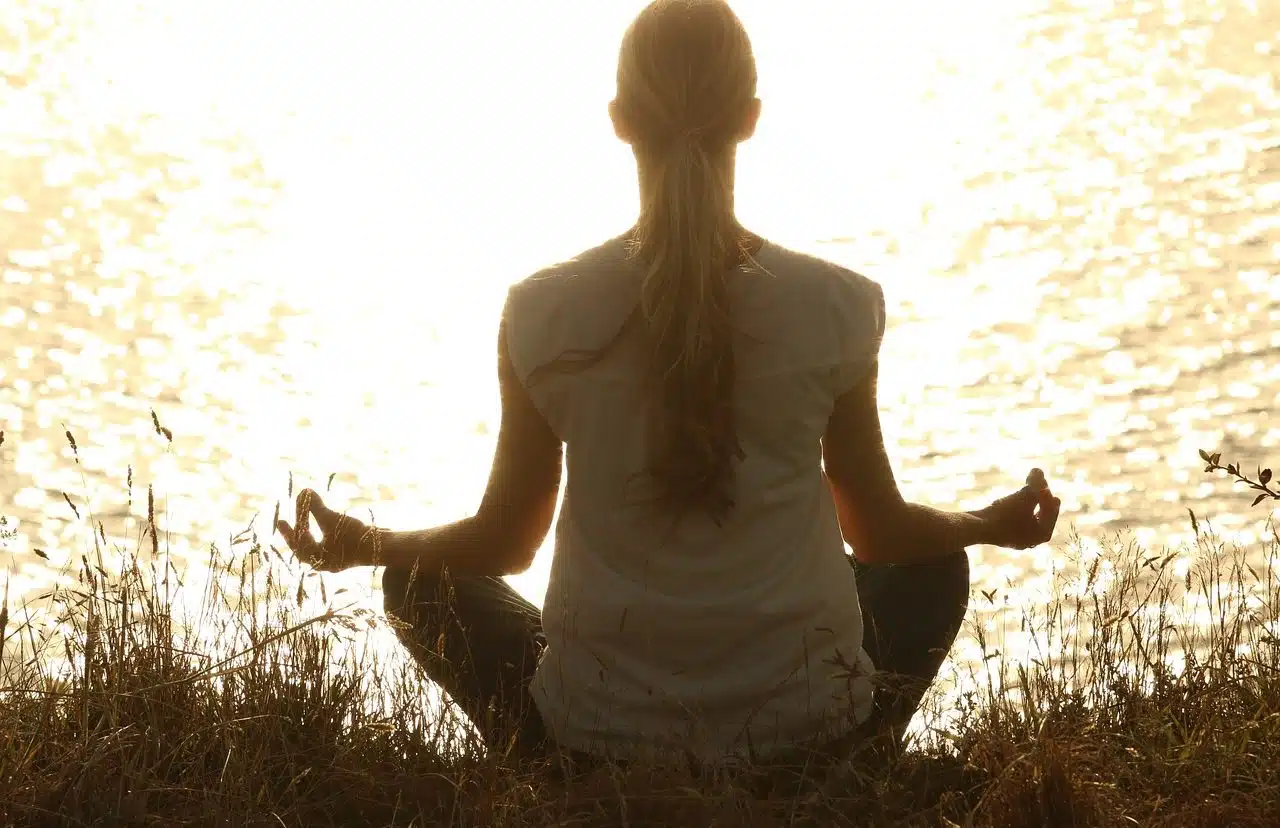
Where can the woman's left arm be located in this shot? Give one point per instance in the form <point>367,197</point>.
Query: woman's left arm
<point>501,538</point>
<point>519,502</point>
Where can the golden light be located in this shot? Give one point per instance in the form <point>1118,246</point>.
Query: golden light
<point>336,194</point>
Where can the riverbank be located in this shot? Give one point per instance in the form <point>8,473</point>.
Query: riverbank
<point>144,706</point>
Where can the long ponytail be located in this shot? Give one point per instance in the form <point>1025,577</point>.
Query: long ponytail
<point>686,79</point>
<point>687,240</point>
<point>686,76</point>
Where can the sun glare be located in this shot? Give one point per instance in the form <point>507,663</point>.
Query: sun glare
<point>353,185</point>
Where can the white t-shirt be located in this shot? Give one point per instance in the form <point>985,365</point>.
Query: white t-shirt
<point>719,641</point>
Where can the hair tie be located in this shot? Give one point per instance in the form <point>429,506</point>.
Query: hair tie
<point>689,137</point>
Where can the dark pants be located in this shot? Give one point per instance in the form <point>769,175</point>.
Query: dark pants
<point>480,641</point>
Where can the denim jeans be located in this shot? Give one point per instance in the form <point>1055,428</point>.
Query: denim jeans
<point>480,640</point>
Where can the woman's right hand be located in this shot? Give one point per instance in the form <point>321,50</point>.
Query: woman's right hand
<point>1024,519</point>
<point>347,541</point>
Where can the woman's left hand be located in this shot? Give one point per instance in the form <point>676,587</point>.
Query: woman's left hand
<point>1024,519</point>
<point>347,541</point>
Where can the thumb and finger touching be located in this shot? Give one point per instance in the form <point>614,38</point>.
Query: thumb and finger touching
<point>1033,508</point>
<point>1050,508</point>
<point>327,519</point>
<point>299,536</point>
<point>340,533</point>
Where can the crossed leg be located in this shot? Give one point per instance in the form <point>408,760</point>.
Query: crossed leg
<point>480,640</point>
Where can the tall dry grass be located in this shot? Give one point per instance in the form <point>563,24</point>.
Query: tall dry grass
<point>1146,692</point>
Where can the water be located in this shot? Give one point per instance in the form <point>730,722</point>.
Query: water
<point>287,228</point>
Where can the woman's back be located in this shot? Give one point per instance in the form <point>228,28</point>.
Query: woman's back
<point>684,630</point>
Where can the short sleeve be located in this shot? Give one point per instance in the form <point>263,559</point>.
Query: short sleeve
<point>860,318</point>
<point>513,324</point>
<point>527,326</point>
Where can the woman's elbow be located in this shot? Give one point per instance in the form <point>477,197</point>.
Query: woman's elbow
<point>874,533</point>
<point>512,545</point>
<point>874,540</point>
<point>870,543</point>
<point>866,551</point>
<point>518,560</point>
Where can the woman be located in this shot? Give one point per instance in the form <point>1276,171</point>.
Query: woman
<point>717,397</point>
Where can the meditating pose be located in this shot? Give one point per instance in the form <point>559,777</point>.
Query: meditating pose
<point>712,398</point>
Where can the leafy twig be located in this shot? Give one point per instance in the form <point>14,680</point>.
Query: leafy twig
<point>1261,484</point>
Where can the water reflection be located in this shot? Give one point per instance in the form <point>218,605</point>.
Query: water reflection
<point>288,233</point>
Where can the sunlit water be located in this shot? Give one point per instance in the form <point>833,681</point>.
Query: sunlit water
<point>287,228</point>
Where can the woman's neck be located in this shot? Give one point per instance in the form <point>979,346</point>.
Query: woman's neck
<point>728,167</point>
<point>647,176</point>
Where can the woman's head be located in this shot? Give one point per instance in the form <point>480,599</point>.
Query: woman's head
<point>686,97</point>
<point>685,71</point>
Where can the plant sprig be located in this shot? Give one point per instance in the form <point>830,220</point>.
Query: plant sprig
<point>1261,484</point>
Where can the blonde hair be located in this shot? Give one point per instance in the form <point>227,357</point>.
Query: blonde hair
<point>686,80</point>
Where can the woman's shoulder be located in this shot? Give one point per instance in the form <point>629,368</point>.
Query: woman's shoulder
<point>582,297</point>
<point>830,280</point>
<point>595,267</point>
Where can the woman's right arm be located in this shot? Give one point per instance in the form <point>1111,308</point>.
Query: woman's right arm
<point>882,527</point>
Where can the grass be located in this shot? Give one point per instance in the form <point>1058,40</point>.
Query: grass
<point>1149,695</point>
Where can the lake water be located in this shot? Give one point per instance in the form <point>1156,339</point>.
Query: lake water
<point>287,228</point>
